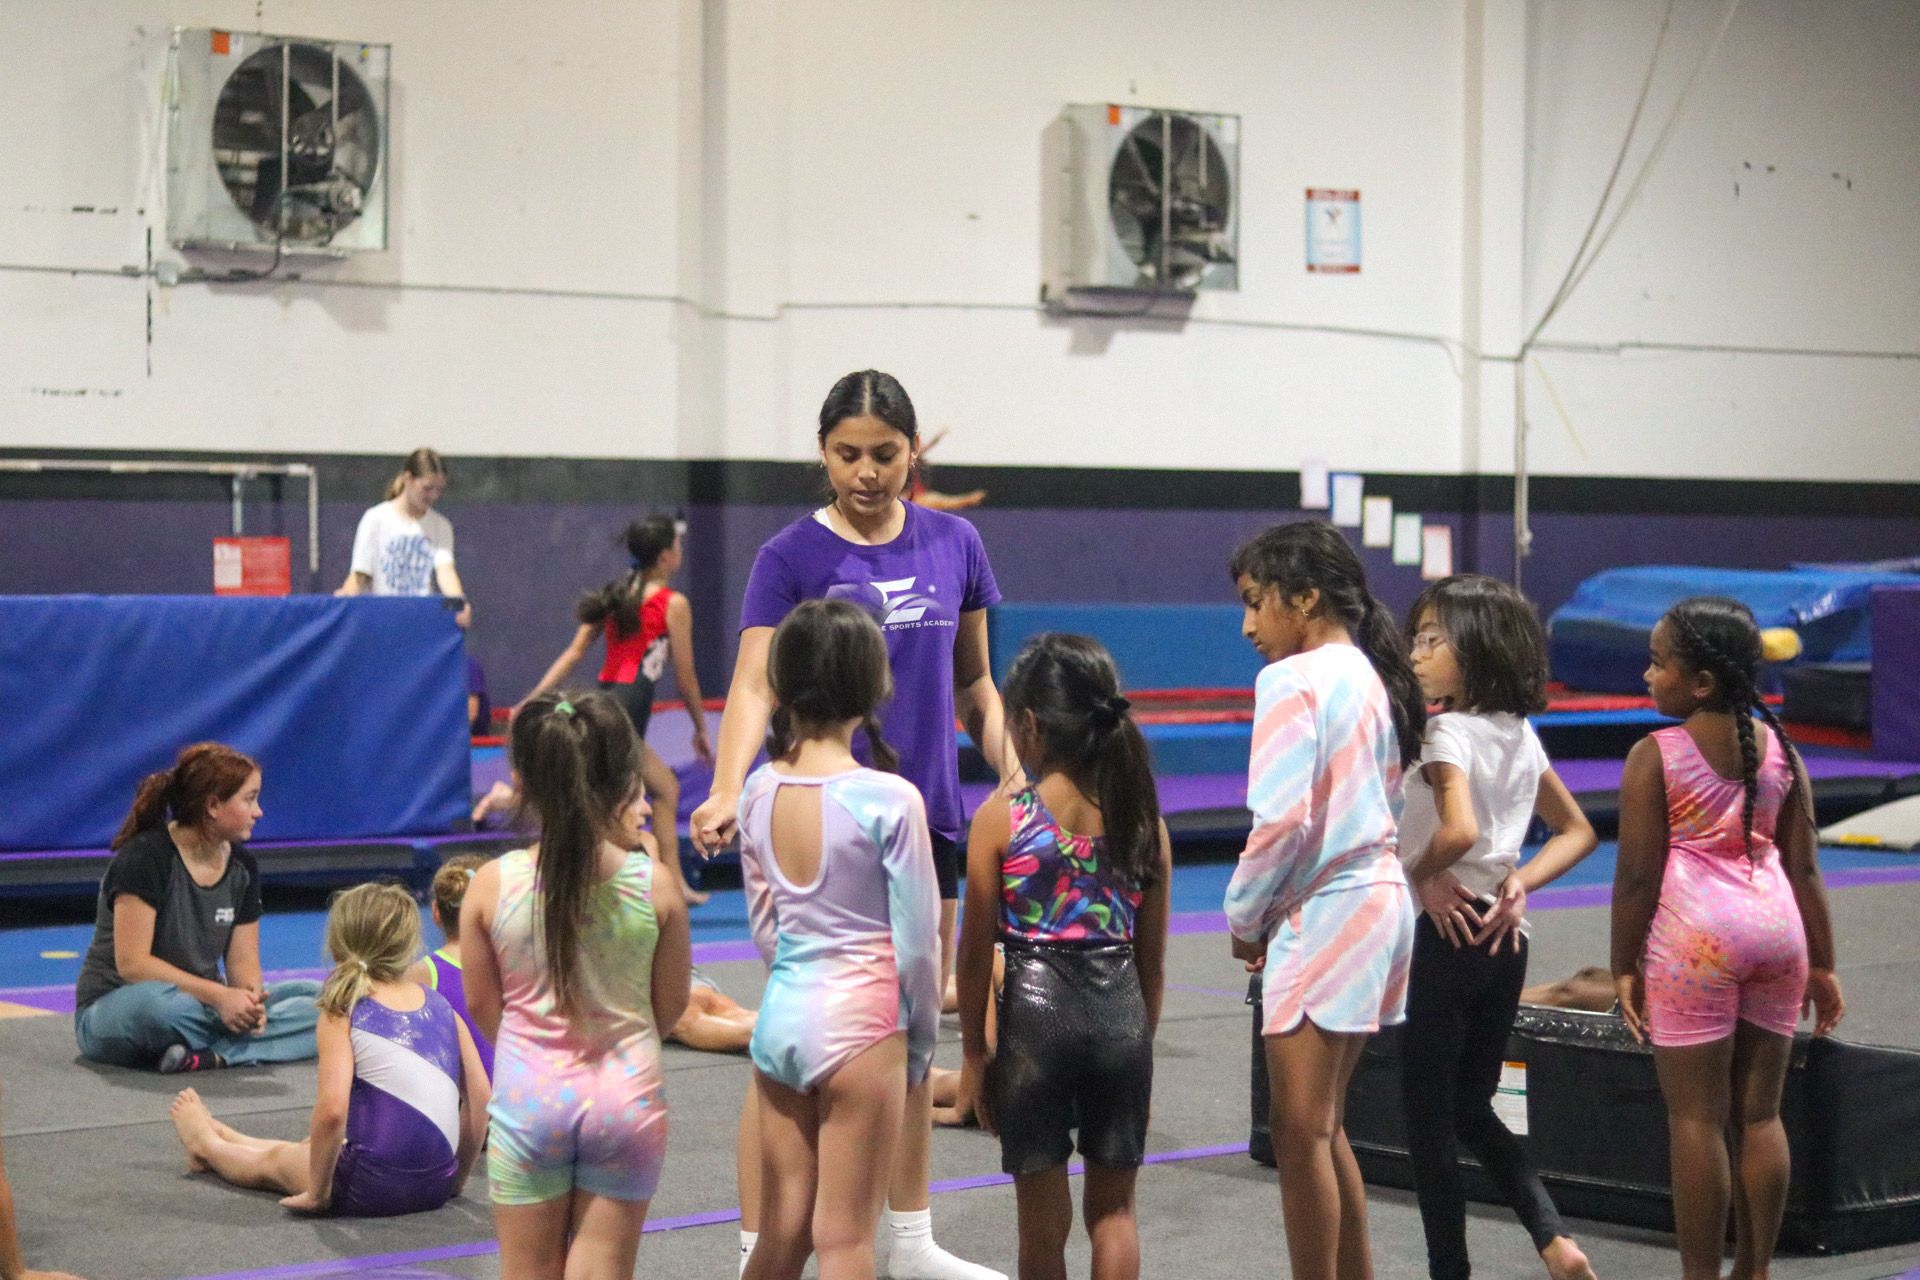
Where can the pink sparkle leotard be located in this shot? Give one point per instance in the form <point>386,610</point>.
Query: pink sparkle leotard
<point>1727,942</point>
<point>854,956</point>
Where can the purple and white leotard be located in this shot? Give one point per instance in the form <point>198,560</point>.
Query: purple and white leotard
<point>403,1115</point>
<point>854,956</point>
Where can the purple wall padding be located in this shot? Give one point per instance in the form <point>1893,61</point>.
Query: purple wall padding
<point>1896,672</point>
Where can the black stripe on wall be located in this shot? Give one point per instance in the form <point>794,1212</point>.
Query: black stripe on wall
<point>667,482</point>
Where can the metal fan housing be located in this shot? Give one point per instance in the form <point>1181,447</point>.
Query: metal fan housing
<point>277,143</point>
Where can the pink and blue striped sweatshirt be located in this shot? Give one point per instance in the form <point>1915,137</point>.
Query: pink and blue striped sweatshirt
<point>1324,784</point>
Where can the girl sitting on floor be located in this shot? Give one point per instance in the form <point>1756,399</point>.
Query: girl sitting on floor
<point>400,1106</point>
<point>440,970</point>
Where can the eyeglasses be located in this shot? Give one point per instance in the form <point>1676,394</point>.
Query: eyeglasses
<point>1428,641</point>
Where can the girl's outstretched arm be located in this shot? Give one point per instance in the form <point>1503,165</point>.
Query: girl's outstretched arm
<point>672,953</point>
<point>479,967</point>
<point>1572,840</point>
<point>475,1094</point>
<point>913,907</point>
<point>332,1091</point>
<point>977,701</point>
<point>1795,835</point>
<point>1637,874</point>
<point>563,665</point>
<point>743,729</point>
<point>1150,932</point>
<point>1280,781</point>
<point>986,848</point>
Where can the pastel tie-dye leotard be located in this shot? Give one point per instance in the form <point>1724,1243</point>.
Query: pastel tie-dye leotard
<point>854,956</point>
<point>577,1102</point>
<point>1727,943</point>
<point>1320,881</point>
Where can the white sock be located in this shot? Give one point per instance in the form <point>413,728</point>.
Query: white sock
<point>747,1239</point>
<point>912,1254</point>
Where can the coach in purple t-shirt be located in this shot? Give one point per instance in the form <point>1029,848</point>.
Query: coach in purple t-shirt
<point>924,576</point>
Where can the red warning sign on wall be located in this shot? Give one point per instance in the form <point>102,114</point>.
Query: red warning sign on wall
<point>252,567</point>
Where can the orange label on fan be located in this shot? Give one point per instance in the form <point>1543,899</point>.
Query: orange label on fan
<point>1113,114</point>
<point>222,43</point>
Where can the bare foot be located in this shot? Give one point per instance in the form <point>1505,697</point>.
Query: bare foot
<point>697,897</point>
<point>194,1123</point>
<point>1565,1261</point>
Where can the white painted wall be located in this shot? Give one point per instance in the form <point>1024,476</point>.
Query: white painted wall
<point>1780,219</point>
<point>663,227</point>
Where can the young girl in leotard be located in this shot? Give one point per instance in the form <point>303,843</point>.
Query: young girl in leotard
<point>439,970</point>
<point>400,1106</point>
<point>575,957</point>
<point>1072,874</point>
<point>1482,776</point>
<point>644,623</point>
<point>838,867</point>
<point>1318,904</point>
<point>1720,927</point>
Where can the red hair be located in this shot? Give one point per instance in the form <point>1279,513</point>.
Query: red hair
<point>207,773</point>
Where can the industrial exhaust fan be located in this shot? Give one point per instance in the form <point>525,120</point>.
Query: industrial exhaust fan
<point>276,142</point>
<point>1140,199</point>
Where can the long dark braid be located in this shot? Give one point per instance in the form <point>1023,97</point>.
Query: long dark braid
<point>1718,635</point>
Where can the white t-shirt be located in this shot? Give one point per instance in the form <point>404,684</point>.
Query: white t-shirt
<point>1503,760</point>
<point>400,553</point>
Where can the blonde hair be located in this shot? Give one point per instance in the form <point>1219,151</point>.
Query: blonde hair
<point>450,889</point>
<point>373,934</point>
<point>420,464</point>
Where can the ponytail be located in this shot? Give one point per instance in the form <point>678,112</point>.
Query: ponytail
<point>151,803</point>
<point>204,774</point>
<point>373,934</point>
<point>1386,649</point>
<point>1069,687</point>
<point>579,761</point>
<point>422,462</point>
<point>827,664</point>
<point>1718,635</point>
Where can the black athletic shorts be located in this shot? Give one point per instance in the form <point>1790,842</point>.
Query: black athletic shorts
<point>635,698</point>
<point>946,866</point>
<point>1074,1053</point>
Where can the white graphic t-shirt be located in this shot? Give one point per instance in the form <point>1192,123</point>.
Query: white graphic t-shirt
<point>400,553</point>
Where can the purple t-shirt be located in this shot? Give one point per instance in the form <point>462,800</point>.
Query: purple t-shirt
<point>916,587</point>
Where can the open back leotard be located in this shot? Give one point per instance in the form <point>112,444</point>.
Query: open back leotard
<point>853,957</point>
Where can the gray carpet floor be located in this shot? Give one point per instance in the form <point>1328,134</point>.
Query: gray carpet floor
<point>102,1189</point>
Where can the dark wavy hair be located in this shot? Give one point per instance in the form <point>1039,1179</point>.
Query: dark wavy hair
<point>646,540</point>
<point>1495,636</point>
<point>827,663</point>
<point>1717,635</point>
<point>1309,555</point>
<point>869,394</point>
<point>1070,687</point>
<point>579,763</point>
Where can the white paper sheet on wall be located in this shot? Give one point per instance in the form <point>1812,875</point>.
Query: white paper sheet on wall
<point>1406,538</point>
<point>1376,522</point>
<point>1314,494</point>
<point>1436,550</point>
<point>1348,491</point>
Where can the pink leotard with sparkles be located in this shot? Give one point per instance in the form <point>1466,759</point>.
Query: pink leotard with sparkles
<point>854,956</point>
<point>1727,943</point>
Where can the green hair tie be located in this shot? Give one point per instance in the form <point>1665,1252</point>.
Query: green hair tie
<point>564,707</point>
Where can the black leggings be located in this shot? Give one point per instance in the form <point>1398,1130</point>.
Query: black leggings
<point>1460,1007</point>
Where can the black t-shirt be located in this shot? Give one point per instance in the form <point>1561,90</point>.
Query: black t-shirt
<point>192,923</point>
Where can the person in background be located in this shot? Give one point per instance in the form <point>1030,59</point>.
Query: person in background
<point>403,547</point>
<point>172,978</point>
<point>439,969</point>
